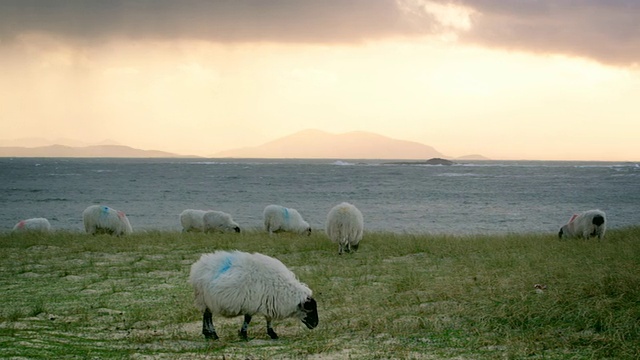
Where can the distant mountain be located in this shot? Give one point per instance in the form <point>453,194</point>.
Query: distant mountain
<point>117,151</point>
<point>323,145</point>
<point>38,142</point>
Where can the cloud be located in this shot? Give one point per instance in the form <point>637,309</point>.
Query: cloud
<point>607,31</point>
<point>218,20</point>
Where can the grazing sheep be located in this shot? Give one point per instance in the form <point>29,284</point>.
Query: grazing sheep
<point>238,283</point>
<point>34,224</point>
<point>588,224</point>
<point>192,220</point>
<point>103,219</point>
<point>279,218</point>
<point>219,221</point>
<point>345,226</point>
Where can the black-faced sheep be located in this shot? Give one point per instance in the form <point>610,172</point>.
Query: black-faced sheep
<point>238,283</point>
<point>103,219</point>
<point>219,221</point>
<point>207,220</point>
<point>345,226</point>
<point>588,224</point>
<point>279,218</point>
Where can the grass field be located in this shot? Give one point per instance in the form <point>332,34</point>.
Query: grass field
<point>71,295</point>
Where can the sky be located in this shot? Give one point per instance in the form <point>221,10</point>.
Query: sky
<point>526,79</point>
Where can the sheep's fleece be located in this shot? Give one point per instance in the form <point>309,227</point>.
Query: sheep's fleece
<point>239,283</point>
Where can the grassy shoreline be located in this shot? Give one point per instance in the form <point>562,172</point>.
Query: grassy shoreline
<point>401,296</point>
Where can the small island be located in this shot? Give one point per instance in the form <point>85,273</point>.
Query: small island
<point>432,161</point>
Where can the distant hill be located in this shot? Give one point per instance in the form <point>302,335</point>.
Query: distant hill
<point>323,145</point>
<point>304,144</point>
<point>117,151</point>
<point>31,142</point>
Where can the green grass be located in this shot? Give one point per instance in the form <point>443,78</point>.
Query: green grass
<point>71,295</point>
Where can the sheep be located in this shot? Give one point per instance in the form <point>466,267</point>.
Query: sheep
<point>588,224</point>
<point>34,224</point>
<point>103,219</point>
<point>192,220</point>
<point>219,221</point>
<point>237,283</point>
<point>207,220</point>
<point>345,226</point>
<point>279,218</point>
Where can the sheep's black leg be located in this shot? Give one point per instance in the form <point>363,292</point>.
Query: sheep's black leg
<point>208,330</point>
<point>245,326</point>
<point>272,334</point>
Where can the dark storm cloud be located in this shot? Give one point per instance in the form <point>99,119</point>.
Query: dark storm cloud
<point>607,31</point>
<point>312,21</point>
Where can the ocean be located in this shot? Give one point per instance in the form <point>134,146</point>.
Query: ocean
<point>470,197</point>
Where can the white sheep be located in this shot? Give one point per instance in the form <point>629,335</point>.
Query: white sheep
<point>279,218</point>
<point>588,224</point>
<point>237,283</point>
<point>345,226</point>
<point>103,219</point>
<point>192,220</point>
<point>34,224</point>
<point>219,221</point>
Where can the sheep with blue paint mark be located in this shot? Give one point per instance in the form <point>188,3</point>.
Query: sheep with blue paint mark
<point>590,223</point>
<point>234,283</point>
<point>103,219</point>
<point>279,218</point>
<point>33,225</point>
<point>345,226</point>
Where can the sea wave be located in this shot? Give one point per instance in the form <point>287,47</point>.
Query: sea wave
<point>458,174</point>
<point>235,162</point>
<point>554,164</point>
<point>342,163</point>
<point>25,190</point>
<point>206,163</point>
<point>52,200</point>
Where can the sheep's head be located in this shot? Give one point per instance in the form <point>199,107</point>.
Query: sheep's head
<point>308,312</point>
<point>236,229</point>
<point>598,220</point>
<point>308,231</point>
<point>563,232</point>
